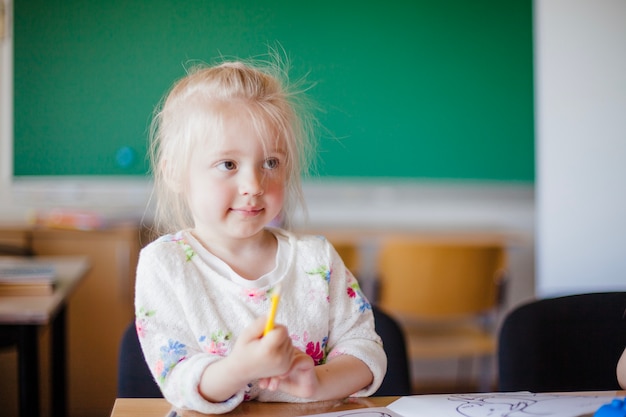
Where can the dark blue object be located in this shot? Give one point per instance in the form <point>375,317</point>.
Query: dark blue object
<point>397,381</point>
<point>616,408</point>
<point>134,377</point>
<point>569,343</point>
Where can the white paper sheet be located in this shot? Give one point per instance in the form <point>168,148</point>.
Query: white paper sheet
<point>501,404</point>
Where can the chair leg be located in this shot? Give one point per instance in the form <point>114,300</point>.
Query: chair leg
<point>464,368</point>
<point>485,380</point>
<point>485,367</point>
<point>28,368</point>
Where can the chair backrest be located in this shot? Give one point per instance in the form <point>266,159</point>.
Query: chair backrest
<point>398,378</point>
<point>134,377</point>
<point>569,343</point>
<point>439,279</point>
<point>136,381</point>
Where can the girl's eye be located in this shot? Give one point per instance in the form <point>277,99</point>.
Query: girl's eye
<point>271,163</point>
<point>226,166</point>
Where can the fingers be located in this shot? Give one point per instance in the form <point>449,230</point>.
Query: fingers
<point>257,327</point>
<point>266,356</point>
<point>270,384</point>
<point>254,330</point>
<point>264,383</point>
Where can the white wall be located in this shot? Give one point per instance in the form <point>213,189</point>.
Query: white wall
<point>580,84</point>
<point>6,95</point>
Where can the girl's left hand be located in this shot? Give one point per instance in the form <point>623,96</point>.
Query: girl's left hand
<point>300,381</point>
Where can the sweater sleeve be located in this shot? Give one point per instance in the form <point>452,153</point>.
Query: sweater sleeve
<point>352,330</point>
<point>163,305</point>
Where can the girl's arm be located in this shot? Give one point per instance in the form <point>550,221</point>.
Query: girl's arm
<point>621,370</point>
<point>342,376</point>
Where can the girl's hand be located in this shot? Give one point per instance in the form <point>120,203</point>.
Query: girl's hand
<point>338,378</point>
<point>254,356</point>
<point>300,381</point>
<point>264,356</point>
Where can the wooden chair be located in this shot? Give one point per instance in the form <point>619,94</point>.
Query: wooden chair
<point>445,294</point>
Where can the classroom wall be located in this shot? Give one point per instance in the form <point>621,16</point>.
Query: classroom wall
<point>580,81</point>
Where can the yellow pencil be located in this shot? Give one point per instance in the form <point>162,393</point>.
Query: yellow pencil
<point>270,319</point>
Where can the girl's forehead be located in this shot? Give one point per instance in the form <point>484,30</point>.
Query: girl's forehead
<point>240,122</point>
<point>239,134</point>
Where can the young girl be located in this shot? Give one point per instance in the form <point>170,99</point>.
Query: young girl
<point>228,152</point>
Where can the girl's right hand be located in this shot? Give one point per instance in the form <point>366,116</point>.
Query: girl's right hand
<point>264,356</point>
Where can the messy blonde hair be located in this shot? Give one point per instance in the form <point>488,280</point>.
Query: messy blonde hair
<point>193,111</point>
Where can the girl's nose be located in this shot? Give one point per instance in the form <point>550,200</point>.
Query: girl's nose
<point>251,183</point>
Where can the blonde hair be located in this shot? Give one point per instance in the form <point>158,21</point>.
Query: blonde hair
<point>193,110</point>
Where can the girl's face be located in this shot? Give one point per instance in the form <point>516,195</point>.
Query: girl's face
<point>236,182</point>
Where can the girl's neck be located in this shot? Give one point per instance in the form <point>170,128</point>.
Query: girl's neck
<point>250,258</point>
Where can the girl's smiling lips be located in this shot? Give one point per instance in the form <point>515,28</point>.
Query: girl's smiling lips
<point>248,211</point>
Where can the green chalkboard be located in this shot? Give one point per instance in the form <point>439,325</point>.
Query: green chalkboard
<point>409,88</point>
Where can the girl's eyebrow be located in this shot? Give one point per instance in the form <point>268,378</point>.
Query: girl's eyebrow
<point>279,151</point>
<point>229,153</point>
<point>278,148</point>
<point>224,153</point>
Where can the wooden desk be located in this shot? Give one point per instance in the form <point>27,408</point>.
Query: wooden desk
<point>158,407</point>
<point>25,315</point>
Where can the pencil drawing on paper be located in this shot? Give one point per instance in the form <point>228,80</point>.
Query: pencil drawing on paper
<point>507,404</point>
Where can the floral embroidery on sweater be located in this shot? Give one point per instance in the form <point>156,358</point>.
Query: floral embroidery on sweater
<point>189,253</point>
<point>315,349</point>
<point>141,317</point>
<point>178,238</point>
<point>217,343</point>
<point>171,354</point>
<point>255,295</point>
<point>247,393</point>
<point>322,271</point>
<point>354,292</point>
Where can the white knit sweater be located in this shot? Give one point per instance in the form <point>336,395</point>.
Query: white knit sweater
<point>189,315</point>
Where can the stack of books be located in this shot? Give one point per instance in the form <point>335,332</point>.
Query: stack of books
<point>26,278</point>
